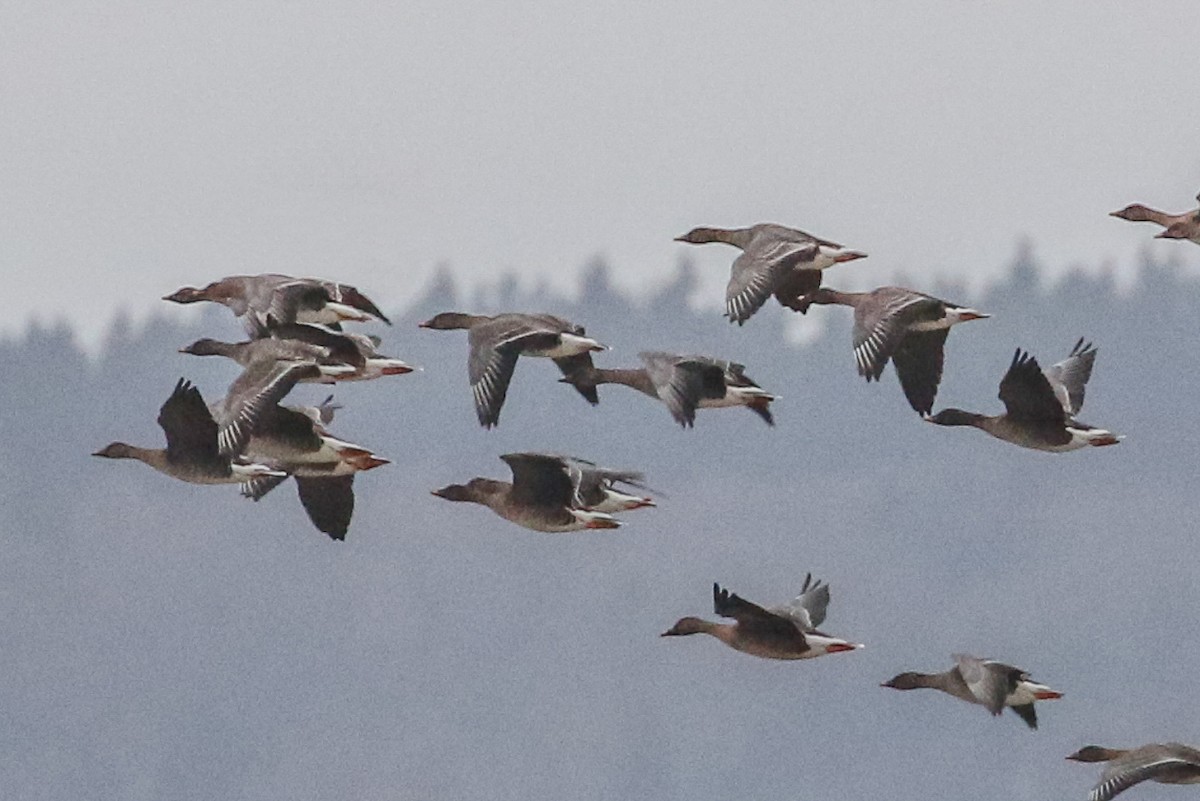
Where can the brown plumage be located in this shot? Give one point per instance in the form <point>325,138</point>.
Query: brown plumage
<point>1185,225</point>
<point>909,328</point>
<point>544,495</point>
<point>775,260</point>
<point>1166,763</point>
<point>496,342</point>
<point>192,453</point>
<point>270,299</point>
<point>784,632</point>
<point>1040,406</point>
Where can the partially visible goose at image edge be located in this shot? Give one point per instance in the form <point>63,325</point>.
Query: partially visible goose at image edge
<point>909,328</point>
<point>496,342</point>
<point>990,684</point>
<point>1185,225</point>
<point>783,632</point>
<point>775,260</point>
<point>543,495</point>
<point>1166,763</point>
<point>683,383</point>
<point>1040,406</point>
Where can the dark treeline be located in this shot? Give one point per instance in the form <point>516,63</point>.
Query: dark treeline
<point>172,641</point>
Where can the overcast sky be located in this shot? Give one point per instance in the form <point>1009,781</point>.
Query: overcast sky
<point>146,146</point>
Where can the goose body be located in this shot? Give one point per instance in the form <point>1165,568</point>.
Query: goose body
<point>294,441</point>
<point>1040,406</point>
<point>270,299</point>
<point>1166,763</point>
<point>291,440</point>
<point>495,343</point>
<point>683,383</point>
<point>340,356</point>
<point>906,327</point>
<point>985,682</point>
<point>543,495</point>
<point>192,453</point>
<point>1175,226</point>
<point>775,260</point>
<point>785,632</point>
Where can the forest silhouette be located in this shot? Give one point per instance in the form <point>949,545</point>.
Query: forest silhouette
<point>170,641</point>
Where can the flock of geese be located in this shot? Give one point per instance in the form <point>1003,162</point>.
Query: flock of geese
<point>296,335</point>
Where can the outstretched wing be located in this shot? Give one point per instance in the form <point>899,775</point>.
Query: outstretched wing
<point>918,362</point>
<point>1026,392</point>
<point>807,610</point>
<point>728,604</point>
<point>990,682</point>
<point>570,365</point>
<point>682,383</point>
<point>759,271</point>
<point>494,347</point>
<point>1069,377</point>
<point>881,323</point>
<point>764,624</point>
<point>260,387</point>
<point>329,501</point>
<point>1120,777</point>
<point>189,426</point>
<point>345,293</point>
<point>1027,713</point>
<point>591,480</point>
<point>540,479</point>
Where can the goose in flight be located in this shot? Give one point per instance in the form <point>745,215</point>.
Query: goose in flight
<point>986,682</point>
<point>775,260</point>
<point>270,299</point>
<point>683,383</point>
<point>495,343</point>
<point>1040,405</point>
<point>192,453</point>
<point>783,632</point>
<point>1166,763</point>
<point>1175,226</point>
<point>294,440</point>
<point>907,327</point>
<point>544,495</point>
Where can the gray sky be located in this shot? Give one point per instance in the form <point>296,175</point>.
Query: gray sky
<point>147,146</point>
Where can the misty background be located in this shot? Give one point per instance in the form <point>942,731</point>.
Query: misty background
<point>372,141</point>
<point>163,640</point>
